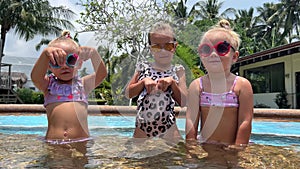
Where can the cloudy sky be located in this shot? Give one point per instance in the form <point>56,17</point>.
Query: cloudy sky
<point>21,48</point>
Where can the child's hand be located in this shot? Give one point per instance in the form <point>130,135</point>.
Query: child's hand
<point>164,83</point>
<point>55,55</point>
<point>86,52</point>
<point>150,85</point>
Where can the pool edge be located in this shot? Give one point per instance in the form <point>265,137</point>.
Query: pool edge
<point>130,110</point>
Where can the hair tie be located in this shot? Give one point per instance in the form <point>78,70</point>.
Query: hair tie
<point>66,34</point>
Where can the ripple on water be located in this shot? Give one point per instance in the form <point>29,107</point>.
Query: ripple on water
<point>27,151</point>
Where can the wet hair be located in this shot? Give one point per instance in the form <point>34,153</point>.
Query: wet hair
<point>224,25</point>
<point>161,27</point>
<point>64,37</point>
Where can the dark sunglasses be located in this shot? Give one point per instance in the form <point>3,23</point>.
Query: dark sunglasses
<point>167,46</point>
<point>71,61</point>
<point>222,48</point>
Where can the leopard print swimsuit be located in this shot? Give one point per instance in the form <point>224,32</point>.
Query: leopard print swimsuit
<point>156,111</point>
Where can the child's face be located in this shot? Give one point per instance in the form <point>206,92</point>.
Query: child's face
<point>66,72</point>
<point>162,47</point>
<point>216,52</point>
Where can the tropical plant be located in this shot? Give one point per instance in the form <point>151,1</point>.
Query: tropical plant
<point>45,41</point>
<point>179,11</point>
<point>269,29</point>
<point>287,16</point>
<point>281,100</point>
<point>210,9</point>
<point>190,59</point>
<point>29,96</point>
<point>245,24</point>
<point>32,17</point>
<point>123,24</point>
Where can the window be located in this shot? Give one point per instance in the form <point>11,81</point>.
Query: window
<point>266,79</point>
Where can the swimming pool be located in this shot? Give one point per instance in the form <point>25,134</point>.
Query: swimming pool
<point>276,133</point>
<point>275,145</point>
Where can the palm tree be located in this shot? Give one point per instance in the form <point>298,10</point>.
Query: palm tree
<point>210,10</point>
<point>32,17</point>
<point>287,15</point>
<point>269,28</point>
<point>246,25</point>
<point>181,13</point>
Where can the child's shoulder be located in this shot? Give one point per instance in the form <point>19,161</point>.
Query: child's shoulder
<point>242,83</point>
<point>178,67</point>
<point>195,82</point>
<point>142,65</point>
<point>242,79</point>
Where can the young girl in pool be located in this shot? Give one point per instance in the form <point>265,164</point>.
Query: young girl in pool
<point>220,101</point>
<point>159,85</point>
<point>65,93</point>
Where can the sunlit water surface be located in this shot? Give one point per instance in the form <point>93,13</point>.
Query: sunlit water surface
<point>274,145</point>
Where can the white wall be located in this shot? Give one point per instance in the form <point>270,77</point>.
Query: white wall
<point>291,65</point>
<point>265,98</point>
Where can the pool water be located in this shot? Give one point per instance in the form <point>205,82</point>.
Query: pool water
<point>263,132</point>
<point>275,145</point>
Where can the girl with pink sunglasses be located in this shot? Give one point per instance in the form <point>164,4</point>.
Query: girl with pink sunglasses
<point>220,102</point>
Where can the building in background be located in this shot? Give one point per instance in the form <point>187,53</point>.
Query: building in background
<point>20,66</point>
<point>272,72</point>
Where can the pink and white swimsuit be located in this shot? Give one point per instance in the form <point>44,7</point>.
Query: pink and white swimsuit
<point>227,99</point>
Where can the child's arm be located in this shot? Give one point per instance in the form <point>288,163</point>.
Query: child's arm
<point>179,90</point>
<point>193,111</point>
<point>49,54</point>
<point>136,86</point>
<point>93,80</point>
<point>245,112</point>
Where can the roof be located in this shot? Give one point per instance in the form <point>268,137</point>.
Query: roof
<point>279,51</point>
<point>16,76</point>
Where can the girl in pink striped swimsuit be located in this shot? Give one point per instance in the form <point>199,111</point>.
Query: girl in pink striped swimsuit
<point>220,101</point>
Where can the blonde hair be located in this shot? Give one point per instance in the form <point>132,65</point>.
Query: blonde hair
<point>65,37</point>
<point>224,25</point>
<point>161,27</point>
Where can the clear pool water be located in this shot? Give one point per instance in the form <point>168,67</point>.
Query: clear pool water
<point>263,132</point>
<point>275,145</point>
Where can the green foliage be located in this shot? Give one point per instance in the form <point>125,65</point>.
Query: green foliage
<point>29,96</point>
<point>121,77</point>
<point>103,92</point>
<point>37,98</point>
<point>31,18</point>
<point>126,25</point>
<point>191,59</point>
<point>281,100</point>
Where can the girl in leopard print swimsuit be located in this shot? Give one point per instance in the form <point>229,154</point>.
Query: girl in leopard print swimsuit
<point>158,86</point>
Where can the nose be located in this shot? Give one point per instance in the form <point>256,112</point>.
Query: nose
<point>214,53</point>
<point>64,65</point>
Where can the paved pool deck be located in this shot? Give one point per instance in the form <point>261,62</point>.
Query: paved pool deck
<point>130,110</point>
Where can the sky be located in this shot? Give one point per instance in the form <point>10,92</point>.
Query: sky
<point>20,48</point>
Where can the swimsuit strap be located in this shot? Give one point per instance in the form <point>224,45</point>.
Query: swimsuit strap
<point>201,85</point>
<point>234,83</point>
<point>231,89</point>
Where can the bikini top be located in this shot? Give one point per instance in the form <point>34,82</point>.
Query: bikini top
<point>227,99</point>
<point>65,92</point>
